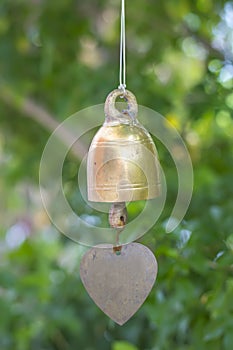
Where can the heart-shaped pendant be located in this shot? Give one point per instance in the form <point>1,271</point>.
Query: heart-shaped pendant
<point>119,282</point>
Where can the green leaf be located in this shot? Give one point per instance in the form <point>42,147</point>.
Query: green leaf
<point>123,345</point>
<point>228,339</point>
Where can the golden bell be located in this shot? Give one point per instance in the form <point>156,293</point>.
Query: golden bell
<point>122,163</point>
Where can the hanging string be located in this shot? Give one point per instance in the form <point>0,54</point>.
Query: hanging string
<point>122,72</point>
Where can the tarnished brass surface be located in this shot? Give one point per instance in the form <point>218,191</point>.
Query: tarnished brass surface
<point>122,160</point>
<point>118,215</point>
<point>119,280</point>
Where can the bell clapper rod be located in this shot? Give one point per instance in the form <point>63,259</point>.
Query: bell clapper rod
<point>117,220</point>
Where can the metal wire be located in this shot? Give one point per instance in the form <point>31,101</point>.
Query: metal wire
<point>122,71</point>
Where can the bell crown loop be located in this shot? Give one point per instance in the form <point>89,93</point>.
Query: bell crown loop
<point>127,116</point>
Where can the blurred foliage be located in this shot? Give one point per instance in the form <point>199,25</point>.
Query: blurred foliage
<point>63,56</point>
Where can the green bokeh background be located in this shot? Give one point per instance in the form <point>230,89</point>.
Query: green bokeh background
<point>59,57</point>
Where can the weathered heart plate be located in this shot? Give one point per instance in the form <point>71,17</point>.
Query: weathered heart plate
<point>119,283</point>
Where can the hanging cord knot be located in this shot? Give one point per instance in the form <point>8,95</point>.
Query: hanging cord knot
<point>122,87</point>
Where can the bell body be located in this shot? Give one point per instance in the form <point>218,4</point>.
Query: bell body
<point>122,163</point>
